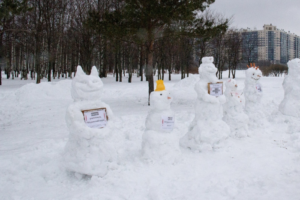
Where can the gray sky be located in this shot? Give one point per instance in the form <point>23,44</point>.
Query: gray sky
<point>285,14</point>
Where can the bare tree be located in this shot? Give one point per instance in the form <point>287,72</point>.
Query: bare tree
<point>233,51</point>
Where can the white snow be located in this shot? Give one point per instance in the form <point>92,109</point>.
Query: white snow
<point>33,134</point>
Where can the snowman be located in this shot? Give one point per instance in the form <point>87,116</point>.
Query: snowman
<point>207,129</point>
<point>253,94</point>
<point>233,109</point>
<point>90,150</point>
<point>290,104</point>
<point>160,142</point>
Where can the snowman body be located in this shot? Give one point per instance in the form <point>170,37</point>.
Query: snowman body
<point>290,104</point>
<point>253,94</point>
<point>160,142</point>
<point>207,129</point>
<point>89,151</point>
<point>233,109</point>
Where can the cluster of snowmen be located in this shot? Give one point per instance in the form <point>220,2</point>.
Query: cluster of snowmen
<point>91,151</point>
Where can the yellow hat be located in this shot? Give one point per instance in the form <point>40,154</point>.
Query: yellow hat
<point>160,85</point>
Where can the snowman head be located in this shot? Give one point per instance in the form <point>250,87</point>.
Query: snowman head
<point>231,85</point>
<point>253,74</point>
<point>207,70</point>
<point>160,99</point>
<point>86,87</point>
<point>294,67</point>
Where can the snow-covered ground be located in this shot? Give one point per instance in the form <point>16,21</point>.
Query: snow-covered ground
<point>33,134</point>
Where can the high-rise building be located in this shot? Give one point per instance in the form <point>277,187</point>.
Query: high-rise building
<point>271,44</point>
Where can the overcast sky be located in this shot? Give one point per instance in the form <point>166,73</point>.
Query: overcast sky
<point>285,14</point>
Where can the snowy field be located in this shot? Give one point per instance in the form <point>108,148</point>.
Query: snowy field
<point>33,133</point>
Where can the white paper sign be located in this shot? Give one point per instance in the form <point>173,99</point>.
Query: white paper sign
<point>167,122</point>
<point>258,87</point>
<point>216,89</point>
<point>95,118</point>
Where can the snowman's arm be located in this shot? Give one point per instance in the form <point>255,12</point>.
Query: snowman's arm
<point>77,126</point>
<point>108,111</point>
<point>203,94</point>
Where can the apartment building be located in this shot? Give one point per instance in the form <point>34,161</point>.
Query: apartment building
<point>271,44</point>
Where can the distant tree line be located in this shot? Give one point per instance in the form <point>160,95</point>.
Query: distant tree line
<point>49,38</point>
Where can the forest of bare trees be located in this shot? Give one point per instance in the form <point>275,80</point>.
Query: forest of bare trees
<point>49,38</point>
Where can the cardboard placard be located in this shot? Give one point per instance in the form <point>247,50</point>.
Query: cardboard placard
<point>95,118</point>
<point>167,122</point>
<point>215,89</point>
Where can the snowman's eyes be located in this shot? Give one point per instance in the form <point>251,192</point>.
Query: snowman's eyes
<point>253,73</point>
<point>160,94</point>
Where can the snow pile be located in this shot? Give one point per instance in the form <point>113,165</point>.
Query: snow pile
<point>89,151</point>
<point>44,91</point>
<point>207,128</point>
<point>160,143</point>
<point>187,82</point>
<point>290,105</point>
<point>31,95</point>
<point>183,91</point>
<point>234,114</point>
<point>253,94</point>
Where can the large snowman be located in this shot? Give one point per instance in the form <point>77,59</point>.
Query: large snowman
<point>207,129</point>
<point>234,114</point>
<point>253,94</point>
<point>89,151</point>
<point>160,142</point>
<point>290,104</point>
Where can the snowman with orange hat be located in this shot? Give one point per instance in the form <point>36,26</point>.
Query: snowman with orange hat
<point>160,144</point>
<point>253,93</point>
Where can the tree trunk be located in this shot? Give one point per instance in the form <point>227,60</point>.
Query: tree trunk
<point>104,67</point>
<point>119,62</point>
<point>141,63</point>
<point>129,77</point>
<point>150,69</point>
<point>49,60</point>
<point>116,65</point>
<point>0,75</point>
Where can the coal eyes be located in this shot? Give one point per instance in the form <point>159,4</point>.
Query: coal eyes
<point>253,73</point>
<point>160,94</point>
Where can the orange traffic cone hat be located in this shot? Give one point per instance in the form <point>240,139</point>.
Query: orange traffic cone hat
<point>160,85</point>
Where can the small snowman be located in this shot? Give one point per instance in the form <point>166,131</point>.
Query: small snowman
<point>89,151</point>
<point>253,94</point>
<point>207,129</point>
<point>233,109</point>
<point>160,143</point>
